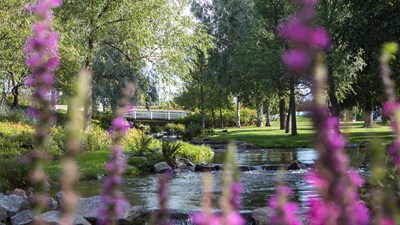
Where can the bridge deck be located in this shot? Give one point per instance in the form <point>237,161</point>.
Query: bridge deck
<point>155,114</point>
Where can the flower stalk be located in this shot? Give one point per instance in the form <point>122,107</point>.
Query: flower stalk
<point>338,202</point>
<point>112,199</point>
<point>41,51</point>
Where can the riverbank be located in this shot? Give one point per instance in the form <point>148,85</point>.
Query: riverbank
<point>273,137</point>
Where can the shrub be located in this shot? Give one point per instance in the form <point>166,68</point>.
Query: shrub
<point>142,127</point>
<point>138,143</point>
<point>192,131</point>
<point>61,117</point>
<point>156,129</point>
<point>15,139</point>
<point>103,119</point>
<point>96,139</point>
<point>13,174</point>
<point>195,153</point>
<point>57,147</point>
<point>169,148</point>
<point>175,128</point>
<point>17,115</point>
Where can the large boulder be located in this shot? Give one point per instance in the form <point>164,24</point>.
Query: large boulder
<point>296,165</point>
<point>203,168</point>
<point>184,163</point>
<point>261,215</point>
<point>87,208</point>
<point>162,167</point>
<point>273,167</point>
<point>11,205</point>
<point>22,218</point>
<point>134,215</point>
<point>3,214</point>
<point>60,199</point>
<point>53,218</point>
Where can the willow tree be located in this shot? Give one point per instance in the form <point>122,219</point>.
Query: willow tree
<point>15,23</point>
<point>155,36</point>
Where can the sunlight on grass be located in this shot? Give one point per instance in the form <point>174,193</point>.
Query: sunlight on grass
<point>273,137</point>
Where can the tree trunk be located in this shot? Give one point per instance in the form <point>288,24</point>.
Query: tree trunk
<point>259,114</point>
<point>334,106</point>
<point>282,113</point>
<point>288,118</point>
<point>15,94</point>
<point>203,115</point>
<point>238,113</point>
<point>88,107</point>
<point>214,120</point>
<point>3,99</point>
<point>213,116</point>
<point>221,120</point>
<point>267,120</point>
<point>293,103</point>
<point>368,117</point>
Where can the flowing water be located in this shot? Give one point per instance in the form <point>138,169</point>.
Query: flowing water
<point>185,188</point>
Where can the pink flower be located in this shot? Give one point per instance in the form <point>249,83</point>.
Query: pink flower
<point>355,178</point>
<point>320,38</point>
<point>394,152</point>
<point>283,212</point>
<point>120,124</point>
<point>236,189</point>
<point>234,218</point>
<point>296,31</point>
<point>386,221</point>
<point>389,107</point>
<point>296,60</point>
<point>201,218</point>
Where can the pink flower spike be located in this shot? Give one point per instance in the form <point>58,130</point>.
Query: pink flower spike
<point>320,39</point>
<point>388,108</point>
<point>29,81</point>
<point>234,218</point>
<point>120,124</point>
<point>296,60</point>
<point>386,221</point>
<point>53,63</point>
<point>55,3</point>
<point>355,178</point>
<point>296,31</point>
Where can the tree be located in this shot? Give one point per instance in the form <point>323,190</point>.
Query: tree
<point>342,64</point>
<point>255,65</point>
<point>151,35</point>
<point>15,24</point>
<point>273,12</point>
<point>110,75</point>
<point>371,24</point>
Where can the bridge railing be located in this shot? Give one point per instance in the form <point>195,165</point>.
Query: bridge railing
<point>155,115</point>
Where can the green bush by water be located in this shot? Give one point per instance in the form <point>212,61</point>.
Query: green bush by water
<point>175,128</point>
<point>13,174</point>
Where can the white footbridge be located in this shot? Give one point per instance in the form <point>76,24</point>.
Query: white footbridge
<point>155,114</point>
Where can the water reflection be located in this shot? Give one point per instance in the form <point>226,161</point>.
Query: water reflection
<point>185,188</point>
<point>272,156</point>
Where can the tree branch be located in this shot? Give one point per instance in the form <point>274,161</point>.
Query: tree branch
<point>111,22</point>
<point>105,8</point>
<point>127,57</point>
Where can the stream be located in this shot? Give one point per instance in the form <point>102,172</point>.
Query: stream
<point>185,188</point>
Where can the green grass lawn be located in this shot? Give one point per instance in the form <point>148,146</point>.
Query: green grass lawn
<point>90,163</point>
<point>273,137</point>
